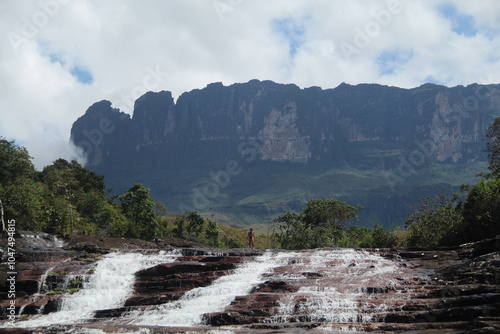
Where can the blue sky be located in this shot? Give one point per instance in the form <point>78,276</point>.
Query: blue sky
<point>390,60</point>
<point>462,24</point>
<point>292,31</point>
<point>81,74</point>
<point>59,57</point>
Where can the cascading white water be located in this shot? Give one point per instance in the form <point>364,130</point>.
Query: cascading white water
<point>41,289</point>
<point>108,287</point>
<point>188,310</point>
<point>42,282</point>
<point>339,288</point>
<point>335,296</point>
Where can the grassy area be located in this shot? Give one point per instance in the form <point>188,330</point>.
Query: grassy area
<point>262,240</point>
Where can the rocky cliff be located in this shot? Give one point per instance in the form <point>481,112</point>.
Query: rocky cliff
<point>63,289</point>
<point>220,147</point>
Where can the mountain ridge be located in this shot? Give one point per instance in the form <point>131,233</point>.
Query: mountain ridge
<point>253,150</point>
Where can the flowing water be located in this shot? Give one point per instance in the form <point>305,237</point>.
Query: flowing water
<point>108,287</point>
<point>188,311</point>
<point>339,288</point>
<point>349,287</point>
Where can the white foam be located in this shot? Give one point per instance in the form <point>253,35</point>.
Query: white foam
<point>109,286</point>
<point>188,310</point>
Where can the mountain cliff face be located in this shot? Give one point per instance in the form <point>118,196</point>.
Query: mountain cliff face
<point>260,148</point>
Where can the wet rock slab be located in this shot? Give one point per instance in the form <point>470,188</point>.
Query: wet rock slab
<point>453,290</point>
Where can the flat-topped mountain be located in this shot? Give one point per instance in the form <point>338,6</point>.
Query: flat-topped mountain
<point>250,151</point>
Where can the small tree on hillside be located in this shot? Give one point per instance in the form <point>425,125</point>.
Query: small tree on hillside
<point>383,238</point>
<point>212,234</point>
<point>291,232</point>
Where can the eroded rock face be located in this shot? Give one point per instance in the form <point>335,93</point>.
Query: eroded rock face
<point>281,138</point>
<point>454,290</point>
<point>293,124</point>
<point>367,137</point>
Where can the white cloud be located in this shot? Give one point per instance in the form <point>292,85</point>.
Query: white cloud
<point>121,42</point>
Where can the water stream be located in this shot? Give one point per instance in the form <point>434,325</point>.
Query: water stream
<point>108,287</point>
<point>340,288</point>
<point>188,311</point>
<point>349,287</point>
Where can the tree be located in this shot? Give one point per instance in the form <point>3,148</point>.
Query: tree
<point>138,206</point>
<point>160,209</point>
<point>189,225</point>
<point>356,236</point>
<point>15,162</point>
<point>110,220</point>
<point>72,177</point>
<point>434,223</point>
<point>23,197</point>
<point>59,216</point>
<point>180,227</point>
<point>481,211</point>
<point>291,231</point>
<point>332,215</point>
<point>493,149</point>
<point>194,223</point>
<point>25,201</point>
<point>212,233</point>
<point>320,224</point>
<point>383,238</point>
<point>83,192</point>
<point>378,237</point>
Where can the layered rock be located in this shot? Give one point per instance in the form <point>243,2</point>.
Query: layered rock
<point>454,290</point>
<point>48,268</point>
<point>292,124</point>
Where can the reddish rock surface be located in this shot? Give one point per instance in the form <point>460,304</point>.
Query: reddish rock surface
<point>453,290</point>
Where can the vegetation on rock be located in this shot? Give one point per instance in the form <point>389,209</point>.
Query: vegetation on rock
<point>445,221</point>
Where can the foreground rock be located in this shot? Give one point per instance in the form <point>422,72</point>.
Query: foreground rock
<point>454,290</point>
<point>48,267</point>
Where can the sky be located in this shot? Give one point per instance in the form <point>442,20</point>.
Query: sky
<point>58,57</point>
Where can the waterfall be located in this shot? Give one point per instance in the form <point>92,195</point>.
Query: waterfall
<point>42,282</point>
<point>337,290</point>
<point>41,288</point>
<point>188,310</point>
<point>108,287</point>
<point>339,294</point>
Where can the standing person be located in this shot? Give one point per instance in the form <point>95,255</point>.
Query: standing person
<point>251,238</point>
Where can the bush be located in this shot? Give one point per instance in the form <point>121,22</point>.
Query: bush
<point>383,238</point>
<point>434,223</point>
<point>481,211</point>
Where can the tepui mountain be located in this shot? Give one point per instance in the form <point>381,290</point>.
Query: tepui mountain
<point>248,152</point>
